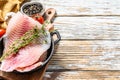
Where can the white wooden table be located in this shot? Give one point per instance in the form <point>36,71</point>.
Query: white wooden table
<point>90,45</point>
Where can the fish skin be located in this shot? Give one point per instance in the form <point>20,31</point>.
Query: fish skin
<point>19,20</point>
<point>33,66</point>
<point>28,55</point>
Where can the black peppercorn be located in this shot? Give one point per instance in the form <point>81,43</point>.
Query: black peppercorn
<point>31,8</point>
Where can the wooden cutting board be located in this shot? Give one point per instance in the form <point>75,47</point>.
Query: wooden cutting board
<point>37,75</point>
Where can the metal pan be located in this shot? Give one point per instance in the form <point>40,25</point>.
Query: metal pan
<point>49,14</point>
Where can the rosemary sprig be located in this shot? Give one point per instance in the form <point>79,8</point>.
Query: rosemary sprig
<point>24,40</point>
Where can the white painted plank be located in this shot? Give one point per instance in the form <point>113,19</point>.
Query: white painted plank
<point>86,55</point>
<point>83,75</point>
<point>84,7</point>
<point>88,27</point>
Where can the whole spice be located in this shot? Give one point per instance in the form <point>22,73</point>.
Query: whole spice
<point>32,8</point>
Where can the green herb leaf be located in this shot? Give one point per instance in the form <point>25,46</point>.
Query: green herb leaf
<point>24,40</point>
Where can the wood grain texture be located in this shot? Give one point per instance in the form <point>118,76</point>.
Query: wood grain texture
<point>90,46</point>
<point>88,27</point>
<point>86,55</point>
<point>83,7</point>
<point>83,75</point>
